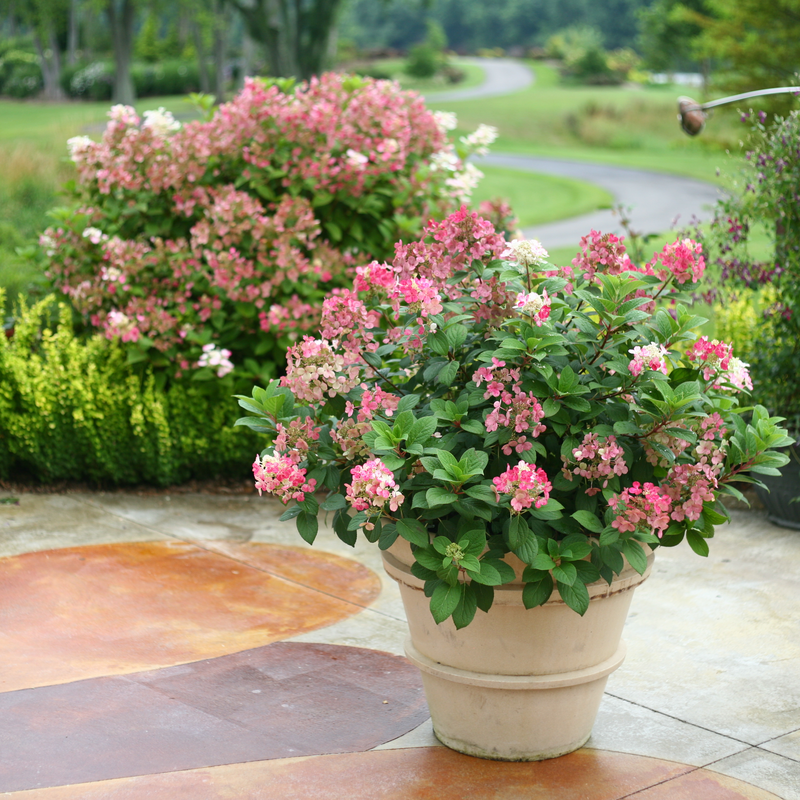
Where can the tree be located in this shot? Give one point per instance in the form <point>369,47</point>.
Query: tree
<point>669,33</point>
<point>755,41</point>
<point>121,15</point>
<point>297,34</point>
<point>47,22</point>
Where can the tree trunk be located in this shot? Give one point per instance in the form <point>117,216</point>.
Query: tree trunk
<point>221,26</point>
<point>248,57</point>
<point>120,16</point>
<point>202,56</point>
<point>72,33</point>
<point>50,61</point>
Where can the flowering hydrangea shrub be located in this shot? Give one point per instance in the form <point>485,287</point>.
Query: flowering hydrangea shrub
<point>230,231</point>
<point>460,417</point>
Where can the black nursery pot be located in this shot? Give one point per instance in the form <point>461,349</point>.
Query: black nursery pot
<point>778,500</point>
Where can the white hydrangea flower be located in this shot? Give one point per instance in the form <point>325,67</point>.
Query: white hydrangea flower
<point>124,114</point>
<point>214,357</point>
<point>47,242</point>
<point>446,120</point>
<point>78,146</point>
<point>161,121</point>
<point>463,183</point>
<point>446,159</point>
<point>94,235</point>
<point>479,140</point>
<point>356,159</point>
<point>526,252</point>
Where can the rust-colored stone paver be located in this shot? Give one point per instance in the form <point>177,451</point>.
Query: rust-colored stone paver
<point>98,610</point>
<point>421,774</point>
<point>285,699</point>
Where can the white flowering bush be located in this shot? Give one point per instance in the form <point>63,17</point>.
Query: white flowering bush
<point>476,400</point>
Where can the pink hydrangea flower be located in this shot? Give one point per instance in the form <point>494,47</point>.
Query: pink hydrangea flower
<point>295,441</point>
<point>527,484</point>
<point>645,507</point>
<point>651,356</point>
<point>373,488</point>
<point>714,354</point>
<point>280,475</point>
<point>596,458</point>
<point>681,260</point>
<point>419,294</point>
<point>602,252</point>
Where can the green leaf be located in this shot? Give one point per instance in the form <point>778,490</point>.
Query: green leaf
<point>465,610</point>
<point>414,531</point>
<point>333,503</point>
<point>575,596</point>
<point>307,526</point>
<point>536,593</point>
<point>483,492</point>
<point>551,407</point>
<point>422,429</point>
<point>444,600</point>
<point>565,573</point>
<point>388,536</point>
<point>484,596</point>
<point>392,461</point>
<point>635,554</point>
<point>488,575</point>
<point>341,523</point>
<point>429,558</point>
<point>448,373</point>
<point>588,521</point>
<point>473,426</point>
<point>697,543</point>
<point>437,496</point>
<point>543,561</point>
<point>291,513</point>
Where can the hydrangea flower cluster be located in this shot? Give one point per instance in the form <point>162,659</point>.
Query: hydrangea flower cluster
<point>218,359</point>
<point>595,459</point>
<point>528,486</point>
<point>649,356</point>
<point>373,487</point>
<point>642,507</point>
<point>715,355</point>
<point>535,305</point>
<point>280,475</point>
<point>526,252</point>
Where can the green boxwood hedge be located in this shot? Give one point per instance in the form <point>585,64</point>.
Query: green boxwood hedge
<point>75,410</point>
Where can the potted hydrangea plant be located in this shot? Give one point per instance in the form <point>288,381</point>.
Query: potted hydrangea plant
<point>518,439</point>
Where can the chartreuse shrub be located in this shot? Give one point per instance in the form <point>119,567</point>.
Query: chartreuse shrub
<point>73,409</point>
<point>211,246</point>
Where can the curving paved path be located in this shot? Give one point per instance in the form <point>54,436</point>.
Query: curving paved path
<point>657,201</point>
<point>502,76</point>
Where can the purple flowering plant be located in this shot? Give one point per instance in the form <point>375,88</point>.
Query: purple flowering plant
<point>475,400</point>
<point>766,193</point>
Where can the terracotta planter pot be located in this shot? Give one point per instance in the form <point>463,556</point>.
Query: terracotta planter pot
<point>516,684</point>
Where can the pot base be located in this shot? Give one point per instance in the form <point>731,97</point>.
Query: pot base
<point>513,717</point>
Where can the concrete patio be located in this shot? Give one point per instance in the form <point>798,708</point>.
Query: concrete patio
<point>192,646</point>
